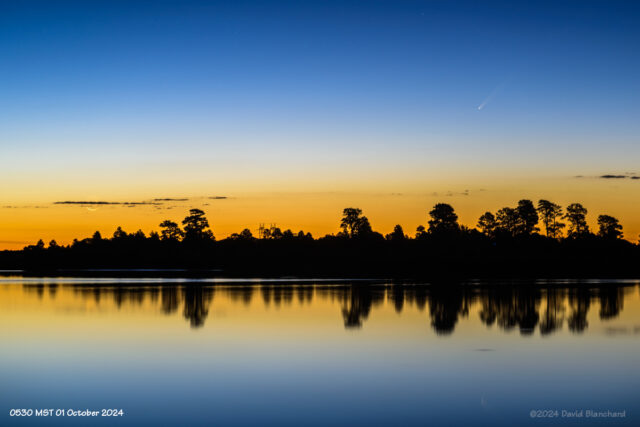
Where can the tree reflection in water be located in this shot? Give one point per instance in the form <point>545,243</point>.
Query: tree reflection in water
<point>508,306</point>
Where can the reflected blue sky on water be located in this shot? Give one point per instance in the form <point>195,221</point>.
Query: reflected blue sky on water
<point>316,354</point>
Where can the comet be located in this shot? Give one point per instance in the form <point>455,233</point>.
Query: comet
<point>492,95</point>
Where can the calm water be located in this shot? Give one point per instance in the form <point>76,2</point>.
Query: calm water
<point>184,352</point>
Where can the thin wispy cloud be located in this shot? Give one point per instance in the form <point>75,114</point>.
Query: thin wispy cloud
<point>24,207</point>
<point>157,203</point>
<point>626,175</point>
<point>85,202</point>
<point>452,193</point>
<point>14,242</point>
<point>103,203</point>
<point>614,176</point>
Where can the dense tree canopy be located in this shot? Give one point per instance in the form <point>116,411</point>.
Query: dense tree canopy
<point>550,213</point>
<point>196,226</point>
<point>508,239</point>
<point>443,219</point>
<point>353,224</point>
<point>487,224</point>
<point>171,231</point>
<point>527,217</point>
<point>576,214</point>
<point>610,227</point>
<point>397,234</point>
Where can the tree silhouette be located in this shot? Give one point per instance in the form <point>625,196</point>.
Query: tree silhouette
<point>576,214</point>
<point>302,236</point>
<point>610,227</point>
<point>139,235</point>
<point>243,235</point>
<point>447,247</point>
<point>365,227</point>
<point>521,220</point>
<point>550,213</point>
<point>353,223</point>
<point>275,233</point>
<point>487,224</point>
<point>443,219</point>
<point>171,231</point>
<point>287,234</point>
<point>507,221</point>
<point>196,226</point>
<point>119,234</point>
<point>397,234</point>
<point>527,217</point>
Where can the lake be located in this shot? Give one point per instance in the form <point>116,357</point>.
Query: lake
<point>315,353</point>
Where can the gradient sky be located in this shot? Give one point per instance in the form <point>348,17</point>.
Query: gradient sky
<point>295,110</point>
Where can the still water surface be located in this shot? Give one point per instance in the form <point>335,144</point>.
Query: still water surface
<point>213,352</point>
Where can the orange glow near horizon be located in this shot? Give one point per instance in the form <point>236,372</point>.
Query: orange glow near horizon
<point>318,212</point>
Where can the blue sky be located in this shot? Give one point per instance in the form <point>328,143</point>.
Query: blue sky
<point>98,97</point>
<point>189,69</point>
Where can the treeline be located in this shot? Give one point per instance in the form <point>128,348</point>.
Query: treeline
<point>525,240</point>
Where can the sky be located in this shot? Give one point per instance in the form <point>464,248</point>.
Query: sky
<point>288,112</point>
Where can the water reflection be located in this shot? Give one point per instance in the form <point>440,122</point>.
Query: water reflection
<point>356,303</point>
<point>525,308</point>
